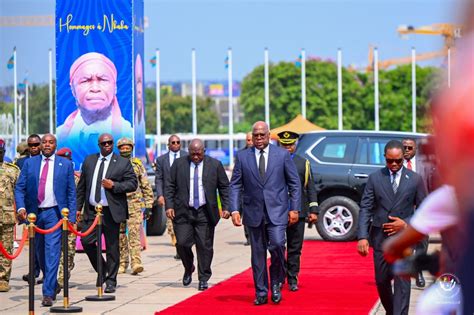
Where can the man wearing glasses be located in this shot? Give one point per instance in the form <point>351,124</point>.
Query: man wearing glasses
<point>390,197</point>
<point>33,142</point>
<point>106,178</point>
<point>162,175</point>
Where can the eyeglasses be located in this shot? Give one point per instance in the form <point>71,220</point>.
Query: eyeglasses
<point>175,142</point>
<point>408,147</point>
<point>391,161</point>
<point>104,143</point>
<point>34,144</point>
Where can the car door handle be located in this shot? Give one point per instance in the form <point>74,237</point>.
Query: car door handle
<point>361,175</point>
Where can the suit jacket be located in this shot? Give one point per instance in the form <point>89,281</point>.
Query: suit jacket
<point>271,194</point>
<point>379,201</point>
<point>162,172</point>
<point>309,198</point>
<point>26,189</point>
<point>120,171</point>
<point>213,178</point>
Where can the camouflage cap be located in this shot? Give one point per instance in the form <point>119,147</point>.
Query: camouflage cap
<point>22,147</point>
<point>123,141</point>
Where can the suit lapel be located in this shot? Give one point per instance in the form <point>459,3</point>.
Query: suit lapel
<point>253,163</point>
<point>92,166</point>
<point>205,170</point>
<point>186,175</point>
<point>272,156</point>
<point>112,163</point>
<point>404,178</point>
<point>37,170</point>
<point>387,183</point>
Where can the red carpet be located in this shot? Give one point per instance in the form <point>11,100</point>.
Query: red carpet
<point>334,279</point>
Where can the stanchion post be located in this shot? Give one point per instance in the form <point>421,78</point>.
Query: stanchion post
<point>31,275</point>
<point>66,308</point>
<point>100,291</point>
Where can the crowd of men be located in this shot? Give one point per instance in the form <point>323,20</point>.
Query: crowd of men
<point>271,192</point>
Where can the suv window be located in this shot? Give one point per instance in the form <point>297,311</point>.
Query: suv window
<point>336,150</point>
<point>371,152</point>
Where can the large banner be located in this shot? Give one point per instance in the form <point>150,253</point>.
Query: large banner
<point>96,55</point>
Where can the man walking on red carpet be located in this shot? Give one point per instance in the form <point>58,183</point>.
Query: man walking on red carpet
<point>269,182</point>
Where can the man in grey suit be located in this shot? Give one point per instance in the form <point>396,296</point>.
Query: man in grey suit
<point>162,175</point>
<point>269,182</point>
<point>389,200</point>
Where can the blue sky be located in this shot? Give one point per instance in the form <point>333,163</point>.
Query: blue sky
<point>177,26</point>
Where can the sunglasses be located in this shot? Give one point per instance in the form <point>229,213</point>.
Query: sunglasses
<point>391,161</point>
<point>408,147</point>
<point>104,143</point>
<point>175,142</point>
<point>259,135</point>
<point>31,145</point>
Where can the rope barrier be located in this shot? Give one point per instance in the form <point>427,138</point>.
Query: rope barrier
<point>51,230</point>
<point>20,248</point>
<point>89,231</point>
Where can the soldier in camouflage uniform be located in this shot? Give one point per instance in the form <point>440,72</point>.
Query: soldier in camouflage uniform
<point>8,177</point>
<point>71,242</point>
<point>141,198</point>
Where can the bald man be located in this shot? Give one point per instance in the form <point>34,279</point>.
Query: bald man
<point>191,202</point>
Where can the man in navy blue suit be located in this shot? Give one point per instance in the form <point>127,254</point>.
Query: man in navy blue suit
<point>45,186</point>
<point>269,182</point>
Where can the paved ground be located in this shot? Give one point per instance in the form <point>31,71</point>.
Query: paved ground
<point>158,287</point>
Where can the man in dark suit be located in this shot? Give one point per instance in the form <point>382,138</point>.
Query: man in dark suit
<point>46,186</point>
<point>162,175</point>
<point>389,200</point>
<point>106,178</point>
<point>271,189</point>
<point>309,209</point>
<point>191,202</point>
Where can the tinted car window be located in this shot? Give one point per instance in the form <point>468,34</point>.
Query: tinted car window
<point>371,151</point>
<point>336,150</point>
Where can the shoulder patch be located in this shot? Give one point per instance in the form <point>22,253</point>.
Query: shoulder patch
<point>136,161</point>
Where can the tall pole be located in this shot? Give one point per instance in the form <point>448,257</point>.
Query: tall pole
<point>449,67</point>
<point>339,89</point>
<point>15,93</point>
<point>20,117</point>
<point>413,89</point>
<point>27,124</point>
<point>231,108</point>
<point>51,91</point>
<point>158,102</point>
<point>376,88</point>
<point>267,90</point>
<point>193,61</point>
<point>303,83</point>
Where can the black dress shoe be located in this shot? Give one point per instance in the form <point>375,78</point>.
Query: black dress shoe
<point>187,277</point>
<point>260,300</point>
<point>25,278</point>
<point>247,243</point>
<point>47,301</point>
<point>109,288</point>
<point>293,287</point>
<point>276,293</point>
<point>420,280</point>
<point>203,285</point>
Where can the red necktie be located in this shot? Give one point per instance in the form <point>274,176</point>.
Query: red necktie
<point>42,181</point>
<point>409,165</point>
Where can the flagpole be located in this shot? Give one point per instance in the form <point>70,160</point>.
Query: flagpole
<point>193,73</point>
<point>413,89</point>
<point>267,90</point>
<point>339,89</point>
<point>51,91</point>
<point>27,125</point>
<point>303,83</point>
<point>20,116</point>
<point>230,108</point>
<point>15,94</point>
<point>158,102</point>
<point>376,88</point>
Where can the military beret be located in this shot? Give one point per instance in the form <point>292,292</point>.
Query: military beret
<point>288,137</point>
<point>2,144</point>
<point>65,152</point>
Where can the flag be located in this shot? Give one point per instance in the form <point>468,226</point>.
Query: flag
<point>298,61</point>
<point>226,62</point>
<point>11,63</point>
<point>22,85</point>
<point>153,61</point>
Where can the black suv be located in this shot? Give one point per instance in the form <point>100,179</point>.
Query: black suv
<point>341,162</point>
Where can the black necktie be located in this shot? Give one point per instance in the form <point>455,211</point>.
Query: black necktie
<point>261,165</point>
<point>394,183</point>
<point>98,184</point>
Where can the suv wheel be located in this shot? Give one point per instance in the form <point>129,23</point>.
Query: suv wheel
<point>156,225</point>
<point>338,219</point>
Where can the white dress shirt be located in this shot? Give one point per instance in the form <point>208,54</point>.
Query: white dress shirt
<point>49,198</point>
<point>171,156</point>
<point>413,164</point>
<point>94,181</point>
<point>202,197</point>
<point>265,155</point>
<point>397,176</point>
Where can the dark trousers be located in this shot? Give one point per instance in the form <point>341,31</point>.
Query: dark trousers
<point>272,238</point>
<point>422,247</point>
<point>195,229</point>
<point>294,241</point>
<point>48,248</point>
<point>110,230</point>
<point>394,301</point>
